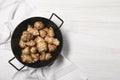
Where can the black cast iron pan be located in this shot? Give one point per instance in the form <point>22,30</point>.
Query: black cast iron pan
<point>22,27</point>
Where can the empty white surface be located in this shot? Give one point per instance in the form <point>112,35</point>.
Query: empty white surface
<point>91,35</point>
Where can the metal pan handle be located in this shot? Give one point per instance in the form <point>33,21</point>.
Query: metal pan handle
<point>53,14</point>
<point>14,65</point>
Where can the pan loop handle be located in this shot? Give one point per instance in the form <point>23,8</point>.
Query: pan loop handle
<point>14,65</point>
<point>53,14</point>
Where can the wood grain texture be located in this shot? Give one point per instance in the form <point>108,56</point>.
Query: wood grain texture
<point>91,34</point>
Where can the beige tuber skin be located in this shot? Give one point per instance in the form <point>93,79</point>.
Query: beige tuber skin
<point>42,56</point>
<point>42,46</point>
<point>45,56</point>
<point>48,56</point>
<point>35,57</point>
<point>51,32</point>
<point>43,33</point>
<point>52,47</point>
<point>38,25</point>
<point>49,39</point>
<point>56,42</point>
<point>22,44</point>
<point>35,32</point>
<point>52,40</point>
<point>26,51</point>
<point>30,43</point>
<point>30,29</point>
<point>26,36</point>
<point>37,43</point>
<point>33,50</point>
<point>46,30</point>
<point>38,39</point>
<point>26,58</point>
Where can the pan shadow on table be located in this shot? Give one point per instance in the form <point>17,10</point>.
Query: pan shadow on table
<point>66,45</point>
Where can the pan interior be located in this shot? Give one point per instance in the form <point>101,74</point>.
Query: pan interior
<point>17,35</point>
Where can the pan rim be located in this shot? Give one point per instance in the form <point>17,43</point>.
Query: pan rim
<point>33,63</point>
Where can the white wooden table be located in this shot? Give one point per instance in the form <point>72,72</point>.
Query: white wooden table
<point>93,27</point>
